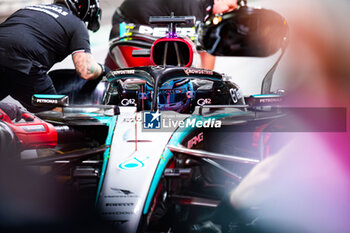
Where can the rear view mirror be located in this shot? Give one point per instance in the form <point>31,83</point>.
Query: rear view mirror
<point>249,32</point>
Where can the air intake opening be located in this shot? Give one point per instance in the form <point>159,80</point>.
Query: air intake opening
<point>176,53</point>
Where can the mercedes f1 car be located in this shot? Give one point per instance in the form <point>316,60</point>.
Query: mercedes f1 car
<point>168,141</point>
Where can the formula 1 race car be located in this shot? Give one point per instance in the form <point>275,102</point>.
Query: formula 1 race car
<point>169,141</point>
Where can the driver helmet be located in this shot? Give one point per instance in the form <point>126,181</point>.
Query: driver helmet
<point>176,95</point>
<point>88,11</point>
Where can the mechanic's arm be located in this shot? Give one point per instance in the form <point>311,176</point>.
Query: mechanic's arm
<point>207,60</point>
<point>86,66</point>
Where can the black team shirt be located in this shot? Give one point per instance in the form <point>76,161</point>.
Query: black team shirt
<point>40,36</point>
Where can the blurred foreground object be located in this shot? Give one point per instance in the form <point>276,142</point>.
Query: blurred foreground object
<point>306,187</point>
<point>12,110</point>
<point>244,32</point>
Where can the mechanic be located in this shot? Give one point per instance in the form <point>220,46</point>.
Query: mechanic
<point>36,37</point>
<point>138,12</point>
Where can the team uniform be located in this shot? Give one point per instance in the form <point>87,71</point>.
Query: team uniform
<point>32,40</point>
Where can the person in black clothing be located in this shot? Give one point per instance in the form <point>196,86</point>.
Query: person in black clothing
<point>138,12</point>
<point>34,38</point>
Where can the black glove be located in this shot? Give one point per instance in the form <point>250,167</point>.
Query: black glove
<point>12,110</point>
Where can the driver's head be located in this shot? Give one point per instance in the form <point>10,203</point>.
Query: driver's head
<point>176,95</point>
<point>223,6</point>
<point>88,11</point>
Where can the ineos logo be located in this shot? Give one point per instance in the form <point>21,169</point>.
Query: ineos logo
<point>202,101</point>
<point>126,102</point>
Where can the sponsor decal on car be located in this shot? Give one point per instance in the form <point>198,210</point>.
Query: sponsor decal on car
<point>120,72</point>
<point>235,95</point>
<point>134,163</point>
<point>194,71</point>
<point>126,102</point>
<point>202,102</point>
<point>162,31</point>
<point>195,140</point>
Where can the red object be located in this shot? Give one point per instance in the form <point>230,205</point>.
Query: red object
<point>110,63</point>
<point>131,61</point>
<point>120,56</point>
<point>34,133</point>
<point>186,41</point>
<point>123,53</point>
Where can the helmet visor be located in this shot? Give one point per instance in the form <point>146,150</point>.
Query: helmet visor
<point>172,96</point>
